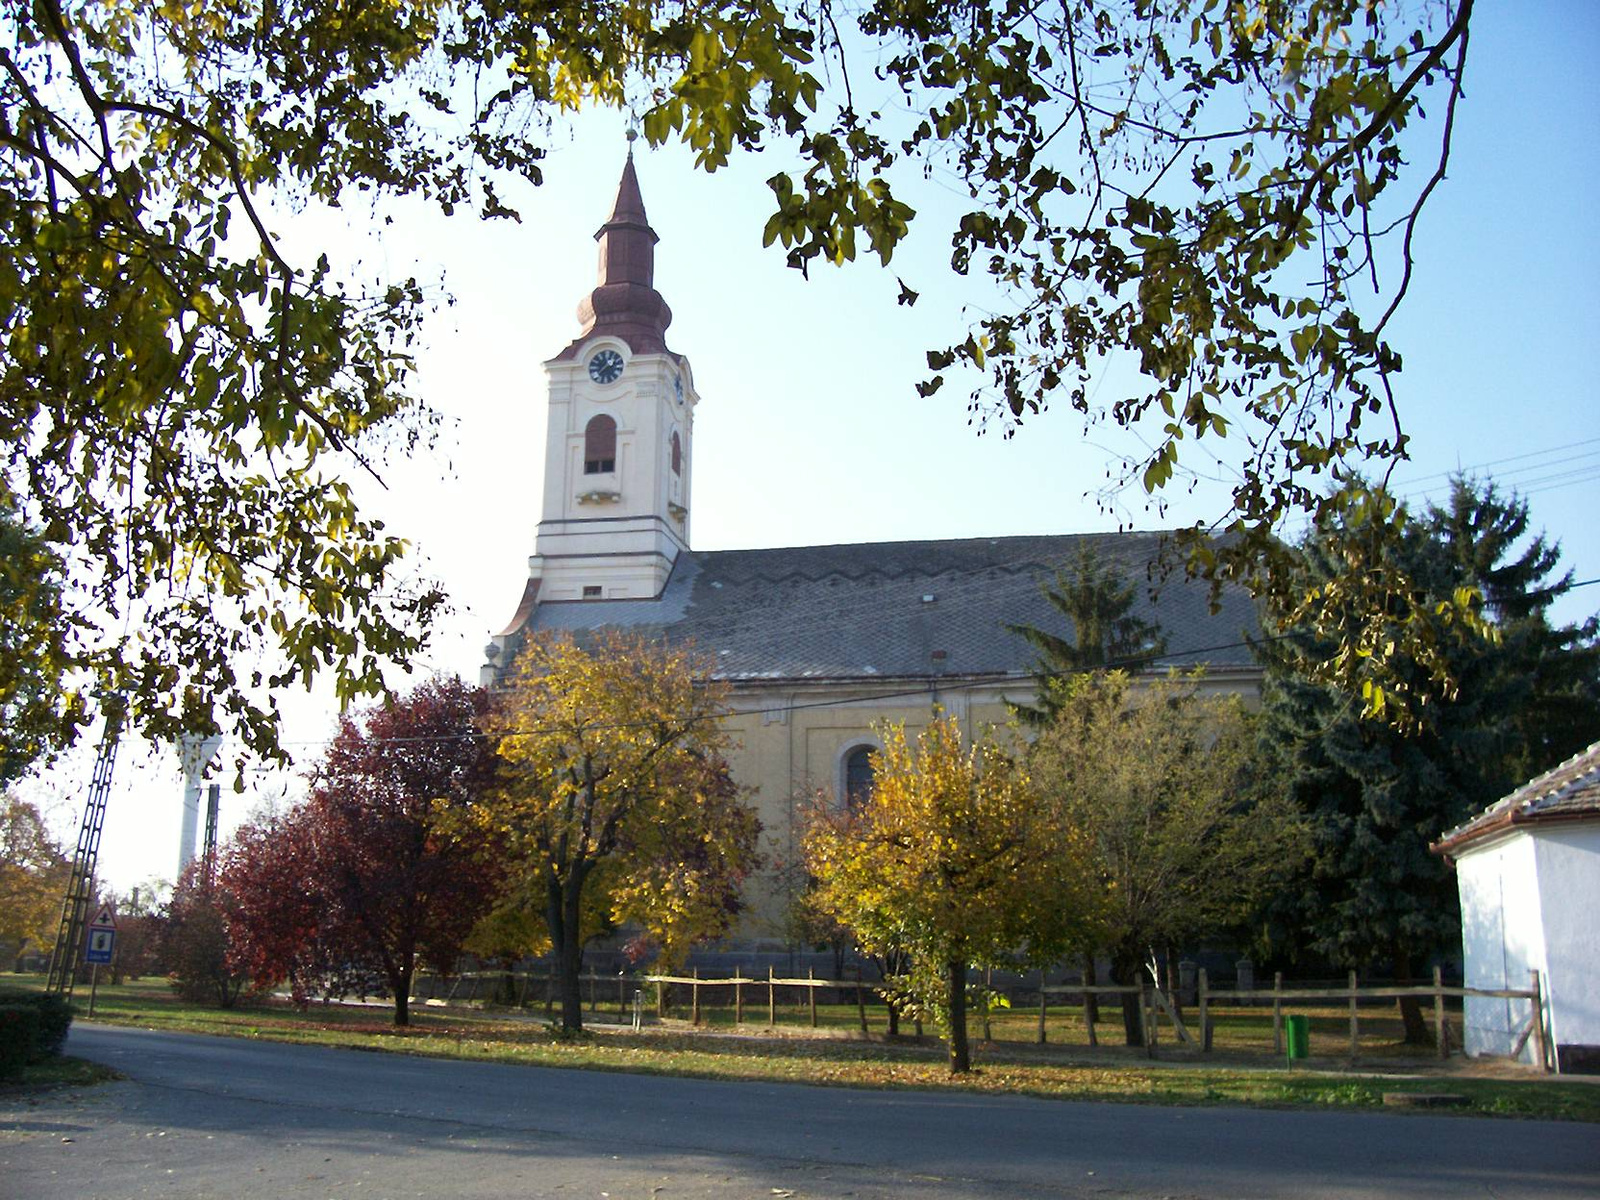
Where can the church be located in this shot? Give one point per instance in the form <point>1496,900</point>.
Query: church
<point>818,644</point>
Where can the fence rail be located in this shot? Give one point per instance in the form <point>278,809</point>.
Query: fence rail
<point>1154,1003</point>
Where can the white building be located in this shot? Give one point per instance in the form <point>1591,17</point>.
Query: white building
<point>1529,872</point>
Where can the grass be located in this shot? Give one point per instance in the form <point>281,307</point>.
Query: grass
<point>1110,1073</point>
<point>59,1072</point>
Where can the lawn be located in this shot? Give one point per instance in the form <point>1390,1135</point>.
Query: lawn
<point>839,1055</point>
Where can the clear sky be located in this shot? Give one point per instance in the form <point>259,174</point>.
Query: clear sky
<point>809,430</point>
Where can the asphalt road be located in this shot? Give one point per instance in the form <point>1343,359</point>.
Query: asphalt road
<point>218,1117</point>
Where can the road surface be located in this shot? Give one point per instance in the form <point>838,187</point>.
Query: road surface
<point>220,1117</point>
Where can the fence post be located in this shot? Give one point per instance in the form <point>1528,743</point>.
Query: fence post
<point>1441,1029</point>
<point>661,999</point>
<point>1277,1013</point>
<point>694,1017</point>
<point>1144,1018</point>
<point>811,994</point>
<point>1042,1002</point>
<point>622,996</point>
<point>1540,1045</point>
<point>738,995</point>
<point>1203,1000</point>
<point>772,1002</point>
<point>1091,1010</point>
<point>1355,1031</point>
<point>861,1000</point>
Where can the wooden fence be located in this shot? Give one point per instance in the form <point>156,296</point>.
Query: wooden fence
<point>1154,1004</point>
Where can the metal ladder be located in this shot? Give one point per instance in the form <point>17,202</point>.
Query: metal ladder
<point>80,887</point>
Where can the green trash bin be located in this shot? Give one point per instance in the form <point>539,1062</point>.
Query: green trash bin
<point>1299,1036</point>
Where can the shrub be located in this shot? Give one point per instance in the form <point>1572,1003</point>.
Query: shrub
<point>21,1031</point>
<point>55,1016</point>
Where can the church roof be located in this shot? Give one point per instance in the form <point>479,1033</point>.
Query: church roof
<point>887,610</point>
<point>1568,792</point>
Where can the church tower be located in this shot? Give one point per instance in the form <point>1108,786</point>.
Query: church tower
<point>618,448</point>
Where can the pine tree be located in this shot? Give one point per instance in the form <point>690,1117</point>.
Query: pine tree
<point>1378,795</point>
<point>1097,600</point>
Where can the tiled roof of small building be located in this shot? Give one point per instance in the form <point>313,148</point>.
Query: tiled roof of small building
<point>1569,792</point>
<point>887,610</point>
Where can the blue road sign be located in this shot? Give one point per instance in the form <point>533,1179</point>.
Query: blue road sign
<point>101,942</point>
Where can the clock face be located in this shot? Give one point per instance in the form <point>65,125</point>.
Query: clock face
<point>605,367</point>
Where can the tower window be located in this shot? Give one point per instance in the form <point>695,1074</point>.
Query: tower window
<point>600,446</point>
<point>677,453</point>
<point>591,591</point>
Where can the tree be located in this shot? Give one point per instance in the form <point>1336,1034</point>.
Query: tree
<point>1098,601</point>
<point>33,878</point>
<point>507,934</point>
<point>1376,795</point>
<point>195,946</point>
<point>616,804</point>
<point>37,712</point>
<point>1162,781</point>
<point>181,398</point>
<point>379,879</point>
<point>141,918</point>
<point>956,861</point>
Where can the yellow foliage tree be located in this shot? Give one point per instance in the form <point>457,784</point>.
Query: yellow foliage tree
<point>616,799</point>
<point>1164,782</point>
<point>955,860</point>
<point>33,878</point>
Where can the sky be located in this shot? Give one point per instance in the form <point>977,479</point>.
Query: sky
<point>809,430</point>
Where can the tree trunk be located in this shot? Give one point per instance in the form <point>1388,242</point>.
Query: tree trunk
<point>1416,1025</point>
<point>1125,970</point>
<point>400,983</point>
<point>956,984</point>
<point>1091,1002</point>
<point>894,1017</point>
<point>569,954</point>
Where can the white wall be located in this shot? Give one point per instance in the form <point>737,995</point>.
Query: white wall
<point>1500,937</point>
<point>1569,892</point>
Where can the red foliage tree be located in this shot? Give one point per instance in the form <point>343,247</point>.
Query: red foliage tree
<point>274,928</point>
<point>369,876</point>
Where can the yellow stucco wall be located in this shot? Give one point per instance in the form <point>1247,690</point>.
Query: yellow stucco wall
<point>790,741</point>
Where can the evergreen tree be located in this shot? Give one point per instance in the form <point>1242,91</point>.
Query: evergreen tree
<point>1377,795</point>
<point>1097,601</point>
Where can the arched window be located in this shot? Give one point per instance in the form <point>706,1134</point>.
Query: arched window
<point>859,777</point>
<point>600,446</point>
<point>677,453</point>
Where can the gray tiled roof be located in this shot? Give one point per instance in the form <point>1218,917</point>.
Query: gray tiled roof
<point>859,611</point>
<point>1570,790</point>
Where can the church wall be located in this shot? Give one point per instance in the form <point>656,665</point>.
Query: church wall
<point>789,743</point>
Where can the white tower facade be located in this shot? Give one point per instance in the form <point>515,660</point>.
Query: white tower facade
<point>619,446</point>
<point>196,754</point>
<point>619,461</point>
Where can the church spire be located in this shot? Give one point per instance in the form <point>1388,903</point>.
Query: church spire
<point>626,304</point>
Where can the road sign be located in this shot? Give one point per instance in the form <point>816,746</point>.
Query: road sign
<point>101,942</point>
<point>104,919</point>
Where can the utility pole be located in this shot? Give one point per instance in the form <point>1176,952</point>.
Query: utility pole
<point>80,886</point>
<point>208,858</point>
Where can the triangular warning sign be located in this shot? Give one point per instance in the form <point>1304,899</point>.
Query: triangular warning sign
<point>104,919</point>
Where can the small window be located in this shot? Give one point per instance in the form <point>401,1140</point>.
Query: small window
<point>859,778</point>
<point>600,446</point>
<point>591,591</point>
<point>677,454</point>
